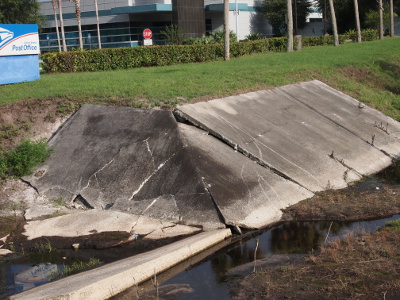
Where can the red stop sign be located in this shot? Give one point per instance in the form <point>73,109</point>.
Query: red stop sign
<point>147,34</point>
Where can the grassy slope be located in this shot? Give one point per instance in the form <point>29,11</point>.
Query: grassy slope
<point>369,71</point>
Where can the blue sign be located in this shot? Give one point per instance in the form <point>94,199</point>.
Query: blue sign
<point>19,39</point>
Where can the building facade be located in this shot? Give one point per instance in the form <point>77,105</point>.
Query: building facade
<point>122,21</point>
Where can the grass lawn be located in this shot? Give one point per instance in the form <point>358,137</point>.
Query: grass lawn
<point>368,71</point>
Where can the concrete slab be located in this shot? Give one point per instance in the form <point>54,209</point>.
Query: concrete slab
<point>283,132</point>
<point>111,279</point>
<point>246,194</point>
<point>94,220</point>
<point>129,159</point>
<point>361,120</point>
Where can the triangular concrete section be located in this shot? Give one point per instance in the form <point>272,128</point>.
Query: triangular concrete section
<point>126,159</point>
<point>308,133</point>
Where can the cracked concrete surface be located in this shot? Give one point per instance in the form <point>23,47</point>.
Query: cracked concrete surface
<point>293,129</point>
<point>253,155</point>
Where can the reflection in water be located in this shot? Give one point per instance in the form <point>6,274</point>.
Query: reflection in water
<point>208,279</point>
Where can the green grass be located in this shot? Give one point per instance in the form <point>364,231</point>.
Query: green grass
<point>342,67</point>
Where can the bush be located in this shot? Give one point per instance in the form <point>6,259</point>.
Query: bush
<point>208,48</point>
<point>22,160</point>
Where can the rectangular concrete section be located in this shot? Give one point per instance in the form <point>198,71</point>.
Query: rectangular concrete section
<point>245,193</point>
<point>308,133</point>
<point>111,279</point>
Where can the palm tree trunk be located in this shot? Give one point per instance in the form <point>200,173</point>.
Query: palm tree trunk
<point>391,19</point>
<point>78,18</point>
<point>62,26</point>
<point>98,24</point>
<point>357,21</point>
<point>334,24</point>
<point>289,46</point>
<point>53,3</point>
<point>380,19</point>
<point>227,31</point>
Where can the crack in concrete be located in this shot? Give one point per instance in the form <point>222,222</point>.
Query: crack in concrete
<point>219,212</point>
<point>183,116</point>
<point>341,161</point>
<point>288,96</point>
<point>99,170</point>
<point>150,176</point>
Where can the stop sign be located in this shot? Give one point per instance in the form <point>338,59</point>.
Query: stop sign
<point>147,34</point>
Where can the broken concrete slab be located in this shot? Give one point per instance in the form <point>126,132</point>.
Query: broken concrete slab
<point>246,194</point>
<point>129,159</point>
<point>97,221</point>
<point>289,137</point>
<point>111,279</point>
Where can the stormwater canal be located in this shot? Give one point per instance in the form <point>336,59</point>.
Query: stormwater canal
<point>213,277</point>
<point>210,278</point>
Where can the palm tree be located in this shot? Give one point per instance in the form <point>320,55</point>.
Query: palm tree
<point>98,23</point>
<point>357,21</point>
<point>380,19</point>
<point>78,18</point>
<point>289,46</point>
<point>62,26</point>
<point>334,24</point>
<point>53,3</point>
<point>227,31</point>
<point>391,19</point>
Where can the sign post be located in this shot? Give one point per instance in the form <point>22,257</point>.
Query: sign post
<point>147,35</point>
<point>19,53</point>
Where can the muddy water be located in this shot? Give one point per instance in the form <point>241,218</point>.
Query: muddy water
<point>209,279</point>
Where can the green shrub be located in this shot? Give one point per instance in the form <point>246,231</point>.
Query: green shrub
<point>21,160</point>
<point>208,48</point>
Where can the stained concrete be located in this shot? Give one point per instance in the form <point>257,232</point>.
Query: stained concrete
<point>255,154</point>
<point>308,133</point>
<point>126,159</point>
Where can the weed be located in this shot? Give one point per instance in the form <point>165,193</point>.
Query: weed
<point>59,202</point>
<point>393,225</point>
<point>8,131</point>
<point>44,247</point>
<point>76,267</point>
<point>21,160</point>
<point>17,206</point>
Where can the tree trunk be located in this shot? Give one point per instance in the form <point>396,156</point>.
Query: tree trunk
<point>289,45</point>
<point>78,18</point>
<point>391,19</point>
<point>64,45</point>
<point>357,21</point>
<point>380,19</point>
<point>53,3</point>
<point>334,24</point>
<point>98,24</point>
<point>227,31</point>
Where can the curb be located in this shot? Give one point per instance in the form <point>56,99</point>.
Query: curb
<point>111,279</point>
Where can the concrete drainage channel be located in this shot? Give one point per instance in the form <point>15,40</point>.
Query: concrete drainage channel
<point>246,158</point>
<point>111,279</point>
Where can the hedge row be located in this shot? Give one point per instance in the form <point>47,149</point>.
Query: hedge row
<point>124,58</point>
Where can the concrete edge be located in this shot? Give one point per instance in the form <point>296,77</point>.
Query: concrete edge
<point>111,279</point>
